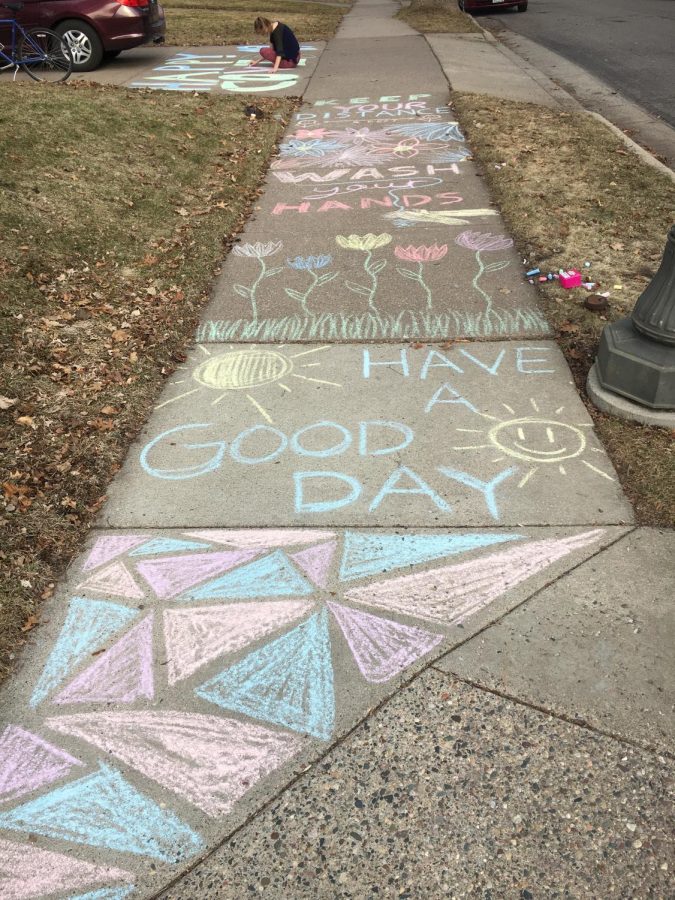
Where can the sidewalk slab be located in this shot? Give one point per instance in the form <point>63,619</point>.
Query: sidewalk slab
<point>207,69</point>
<point>297,434</point>
<point>451,792</point>
<point>341,71</point>
<point>596,645</point>
<point>384,109</point>
<point>181,678</point>
<point>485,67</point>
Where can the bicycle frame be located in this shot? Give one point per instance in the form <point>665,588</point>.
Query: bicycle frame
<point>8,62</point>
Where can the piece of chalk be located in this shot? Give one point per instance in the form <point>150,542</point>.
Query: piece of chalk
<point>532,272</point>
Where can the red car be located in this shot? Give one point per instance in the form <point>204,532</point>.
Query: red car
<point>498,5</point>
<point>95,29</point>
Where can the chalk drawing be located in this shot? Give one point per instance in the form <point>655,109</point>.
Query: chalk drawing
<point>382,648</point>
<point>366,243</point>
<point>209,760</point>
<point>173,575</point>
<point>315,561</point>
<point>121,675</point>
<point>89,625</point>
<point>26,872</point>
<point>111,546</point>
<point>371,553</point>
<point>104,810</point>
<point>195,637</point>
<point>262,539</point>
<point>257,251</point>
<point>484,243</point>
<point>310,264</point>
<point>429,131</point>
<point>271,576</point>
<point>167,545</point>
<point>406,217</point>
<point>115,580</point>
<point>106,894</point>
<point>453,594</point>
<point>420,255</point>
<point>288,682</point>
<point>27,762</point>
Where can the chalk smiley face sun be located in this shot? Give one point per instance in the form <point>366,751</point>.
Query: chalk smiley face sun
<point>249,369</point>
<point>541,440</point>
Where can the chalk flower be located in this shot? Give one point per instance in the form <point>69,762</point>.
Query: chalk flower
<point>367,242</point>
<point>308,148</point>
<point>421,254</point>
<point>309,263</point>
<point>257,250</point>
<point>477,241</point>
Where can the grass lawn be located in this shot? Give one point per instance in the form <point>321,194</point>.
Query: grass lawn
<point>570,192</point>
<point>435,16</point>
<point>114,218</point>
<point>191,23</point>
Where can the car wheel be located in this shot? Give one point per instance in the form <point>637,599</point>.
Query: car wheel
<point>522,6</point>
<point>84,44</point>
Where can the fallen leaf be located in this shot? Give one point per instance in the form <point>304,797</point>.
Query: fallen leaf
<point>109,411</point>
<point>120,335</point>
<point>28,421</point>
<point>30,623</point>
<point>6,402</point>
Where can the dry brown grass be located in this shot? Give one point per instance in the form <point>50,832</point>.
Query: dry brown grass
<point>437,16</point>
<point>113,221</point>
<point>192,23</point>
<point>570,192</point>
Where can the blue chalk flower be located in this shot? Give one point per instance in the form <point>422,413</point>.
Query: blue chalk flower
<point>308,263</point>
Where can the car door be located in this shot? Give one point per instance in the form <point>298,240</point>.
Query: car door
<point>28,17</point>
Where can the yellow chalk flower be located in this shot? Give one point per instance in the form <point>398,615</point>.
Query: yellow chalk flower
<point>365,242</point>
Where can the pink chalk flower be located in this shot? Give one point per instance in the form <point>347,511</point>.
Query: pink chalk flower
<point>475,240</point>
<point>421,254</point>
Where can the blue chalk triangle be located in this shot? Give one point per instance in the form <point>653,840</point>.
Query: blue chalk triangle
<point>104,810</point>
<point>288,682</point>
<point>106,893</point>
<point>167,545</point>
<point>89,624</point>
<point>374,554</point>
<point>271,576</point>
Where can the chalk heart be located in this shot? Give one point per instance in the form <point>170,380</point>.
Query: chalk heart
<point>210,760</point>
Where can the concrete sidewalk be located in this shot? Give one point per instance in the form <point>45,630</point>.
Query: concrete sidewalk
<point>367,589</point>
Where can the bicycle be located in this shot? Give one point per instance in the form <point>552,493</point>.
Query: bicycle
<point>41,53</point>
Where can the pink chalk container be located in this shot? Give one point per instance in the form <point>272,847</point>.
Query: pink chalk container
<point>570,279</point>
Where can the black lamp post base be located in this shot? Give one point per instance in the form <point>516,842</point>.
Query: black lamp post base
<point>635,367</point>
<point>623,408</point>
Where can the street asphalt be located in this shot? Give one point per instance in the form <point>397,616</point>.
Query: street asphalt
<point>366,613</point>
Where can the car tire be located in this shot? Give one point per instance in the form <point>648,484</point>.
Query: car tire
<point>84,44</point>
<point>522,7</point>
<point>111,54</point>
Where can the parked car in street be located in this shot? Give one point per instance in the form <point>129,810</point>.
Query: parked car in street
<point>496,5</point>
<point>95,30</point>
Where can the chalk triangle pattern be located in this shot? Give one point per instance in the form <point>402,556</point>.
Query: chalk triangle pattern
<point>271,576</point>
<point>89,624</point>
<point>315,561</point>
<point>367,554</point>
<point>382,648</point>
<point>121,675</point>
<point>27,872</point>
<point>109,547</point>
<point>261,538</point>
<point>115,580</point>
<point>171,576</point>
<point>209,760</point>
<point>113,893</point>
<point>196,636</point>
<point>450,595</point>
<point>168,545</point>
<point>104,810</point>
<point>288,682</point>
<point>27,762</point>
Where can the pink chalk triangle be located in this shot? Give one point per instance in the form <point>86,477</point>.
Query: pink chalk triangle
<point>27,762</point>
<point>27,872</point>
<point>195,636</point>
<point>261,538</point>
<point>121,675</point>
<point>172,575</point>
<point>110,546</point>
<point>115,580</point>
<point>315,561</point>
<point>210,760</point>
<point>382,648</point>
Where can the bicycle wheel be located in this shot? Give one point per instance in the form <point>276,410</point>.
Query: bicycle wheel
<point>44,55</point>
